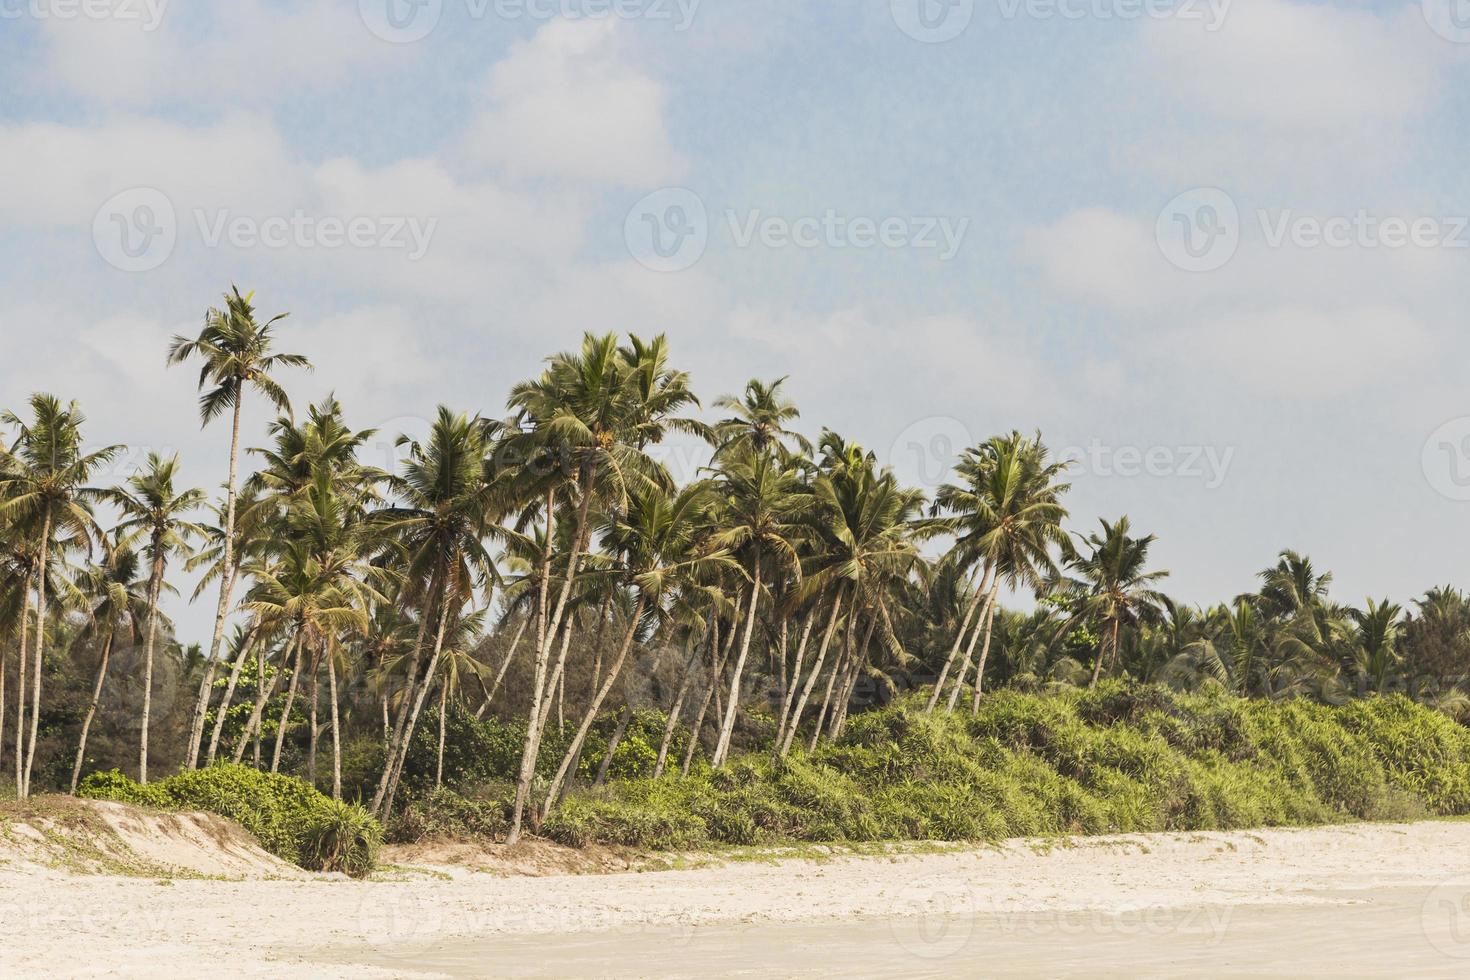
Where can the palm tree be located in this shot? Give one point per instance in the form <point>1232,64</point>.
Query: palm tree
<point>663,543</point>
<point>758,420</point>
<point>1378,628</point>
<point>237,355</point>
<point>764,502</point>
<point>152,514</point>
<point>1114,591</point>
<point>446,510</point>
<point>118,597</point>
<point>590,414</point>
<point>44,496</point>
<point>1007,515</point>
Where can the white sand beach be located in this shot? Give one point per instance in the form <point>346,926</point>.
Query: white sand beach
<point>1358,900</point>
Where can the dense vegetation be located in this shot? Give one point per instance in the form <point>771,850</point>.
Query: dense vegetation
<point>530,616</point>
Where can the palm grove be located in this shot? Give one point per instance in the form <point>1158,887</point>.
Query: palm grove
<point>545,572</point>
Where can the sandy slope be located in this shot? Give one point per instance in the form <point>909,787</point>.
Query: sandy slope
<point>1127,891</point>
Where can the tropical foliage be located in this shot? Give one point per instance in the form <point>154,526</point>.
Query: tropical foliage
<point>532,605</point>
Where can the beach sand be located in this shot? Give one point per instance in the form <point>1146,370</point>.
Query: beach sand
<point>1357,900</point>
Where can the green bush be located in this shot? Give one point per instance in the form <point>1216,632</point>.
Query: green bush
<point>291,819</point>
<point>1121,758</point>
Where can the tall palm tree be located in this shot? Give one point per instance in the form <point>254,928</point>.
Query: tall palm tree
<point>1007,515</point>
<point>760,521</point>
<point>591,414</point>
<point>238,355</point>
<point>153,513</point>
<point>1114,589</point>
<point>662,541</point>
<point>44,496</point>
<point>758,420</point>
<point>117,593</point>
<point>446,510</point>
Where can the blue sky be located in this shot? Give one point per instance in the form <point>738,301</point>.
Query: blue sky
<point>1293,394</point>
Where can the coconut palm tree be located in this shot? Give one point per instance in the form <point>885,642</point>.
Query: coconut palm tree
<point>446,510</point>
<point>663,541</point>
<point>758,421</point>
<point>1378,628</point>
<point>237,355</point>
<point>1114,590</point>
<point>153,518</point>
<point>1006,514</point>
<point>117,594</point>
<point>44,497</point>
<point>760,521</point>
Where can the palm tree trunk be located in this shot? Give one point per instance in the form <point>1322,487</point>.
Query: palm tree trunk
<point>263,694</point>
<point>155,588</point>
<point>1097,667</point>
<point>959,681</point>
<point>790,684</point>
<point>533,732</point>
<point>418,704</point>
<point>40,651</point>
<point>990,607</point>
<point>839,715</point>
<point>624,720</point>
<point>20,686</point>
<point>959,639</point>
<point>719,655</point>
<point>504,666</point>
<point>727,728</point>
<point>224,707</point>
<point>290,701</point>
<point>590,715</point>
<point>76,769</point>
<point>676,709</point>
<point>336,727</point>
<point>390,759</point>
<point>226,586</point>
<point>794,722</point>
<point>439,764</point>
<point>311,685</point>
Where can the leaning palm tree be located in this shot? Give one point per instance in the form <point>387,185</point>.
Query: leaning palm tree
<point>153,518</point>
<point>1114,589</point>
<point>44,497</point>
<point>237,354</point>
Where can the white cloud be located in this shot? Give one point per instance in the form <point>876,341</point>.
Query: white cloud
<point>249,52</point>
<point>1299,352</point>
<point>569,104</point>
<point>1302,67</point>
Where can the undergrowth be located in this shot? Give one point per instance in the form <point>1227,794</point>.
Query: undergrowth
<point>1121,758</point>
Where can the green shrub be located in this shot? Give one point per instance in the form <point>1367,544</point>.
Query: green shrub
<point>291,819</point>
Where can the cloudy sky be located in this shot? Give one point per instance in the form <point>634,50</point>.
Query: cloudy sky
<point>1215,249</point>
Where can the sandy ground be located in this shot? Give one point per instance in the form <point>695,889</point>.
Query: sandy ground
<point>1362,900</point>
